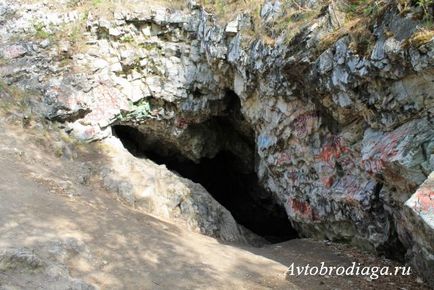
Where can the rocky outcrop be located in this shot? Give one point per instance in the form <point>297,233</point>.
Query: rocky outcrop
<point>415,228</point>
<point>342,122</point>
<point>156,190</point>
<point>24,266</point>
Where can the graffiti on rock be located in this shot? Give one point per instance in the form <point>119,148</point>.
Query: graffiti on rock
<point>283,158</point>
<point>328,181</point>
<point>348,185</point>
<point>302,209</point>
<point>304,124</point>
<point>332,150</point>
<point>298,177</point>
<point>384,150</point>
<point>182,123</point>
<point>425,200</point>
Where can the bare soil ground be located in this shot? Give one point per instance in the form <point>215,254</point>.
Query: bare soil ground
<point>55,214</point>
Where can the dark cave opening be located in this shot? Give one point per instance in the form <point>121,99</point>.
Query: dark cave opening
<point>225,177</point>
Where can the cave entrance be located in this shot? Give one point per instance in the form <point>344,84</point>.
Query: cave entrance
<point>229,176</point>
<point>231,185</point>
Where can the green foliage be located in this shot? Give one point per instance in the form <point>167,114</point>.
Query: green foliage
<point>84,16</point>
<point>127,39</point>
<point>351,7</point>
<point>149,46</point>
<point>356,8</point>
<point>425,13</point>
<point>428,9</point>
<point>96,2</point>
<point>372,9</point>
<point>138,111</point>
<point>41,33</point>
<point>426,5</point>
<point>220,6</point>
<point>429,23</point>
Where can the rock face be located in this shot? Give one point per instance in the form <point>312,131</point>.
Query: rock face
<point>154,189</point>
<point>415,228</point>
<point>30,269</point>
<point>343,136</point>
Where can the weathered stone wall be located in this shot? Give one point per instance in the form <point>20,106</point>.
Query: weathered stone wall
<point>343,139</point>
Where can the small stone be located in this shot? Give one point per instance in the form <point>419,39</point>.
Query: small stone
<point>128,57</point>
<point>116,67</point>
<point>392,46</point>
<point>144,62</point>
<point>64,46</point>
<point>53,68</point>
<point>103,23</point>
<point>118,15</point>
<point>13,51</point>
<point>325,63</point>
<point>45,43</point>
<point>147,30</point>
<point>115,32</point>
<point>232,27</point>
<point>99,64</point>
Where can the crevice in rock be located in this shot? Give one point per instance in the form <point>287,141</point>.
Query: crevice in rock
<point>228,175</point>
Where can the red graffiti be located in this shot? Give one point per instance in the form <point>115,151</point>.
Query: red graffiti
<point>384,150</point>
<point>425,200</point>
<point>283,158</point>
<point>327,181</point>
<point>302,208</point>
<point>303,118</point>
<point>389,149</point>
<point>296,177</point>
<point>332,150</point>
<point>300,124</point>
<point>349,185</point>
<point>182,123</point>
<point>373,166</point>
<point>293,176</point>
<point>347,162</point>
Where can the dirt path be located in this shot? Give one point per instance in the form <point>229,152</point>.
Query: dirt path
<point>60,233</point>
